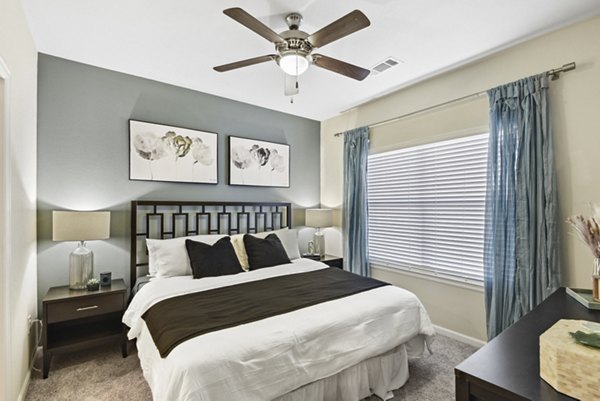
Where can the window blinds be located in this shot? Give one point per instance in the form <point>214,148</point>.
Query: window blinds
<point>426,208</point>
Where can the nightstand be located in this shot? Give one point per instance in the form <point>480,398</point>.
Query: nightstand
<point>77,319</point>
<point>333,261</point>
<point>330,260</point>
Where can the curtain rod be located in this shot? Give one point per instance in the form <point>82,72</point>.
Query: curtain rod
<point>554,73</point>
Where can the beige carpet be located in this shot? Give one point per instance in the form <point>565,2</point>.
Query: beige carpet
<point>97,374</point>
<point>101,374</point>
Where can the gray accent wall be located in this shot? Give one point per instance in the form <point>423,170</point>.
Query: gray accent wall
<point>83,154</point>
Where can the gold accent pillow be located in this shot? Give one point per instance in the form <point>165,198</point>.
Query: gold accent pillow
<point>240,250</point>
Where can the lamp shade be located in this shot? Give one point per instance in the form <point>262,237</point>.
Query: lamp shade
<point>318,218</point>
<point>80,226</point>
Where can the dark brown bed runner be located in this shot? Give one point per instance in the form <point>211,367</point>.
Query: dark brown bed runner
<point>174,320</point>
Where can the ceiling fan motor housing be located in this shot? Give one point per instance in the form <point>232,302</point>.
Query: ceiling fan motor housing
<point>295,43</point>
<point>295,39</point>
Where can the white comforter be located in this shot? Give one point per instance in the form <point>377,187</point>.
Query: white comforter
<point>263,360</point>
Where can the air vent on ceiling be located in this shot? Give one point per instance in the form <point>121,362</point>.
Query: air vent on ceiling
<point>385,65</point>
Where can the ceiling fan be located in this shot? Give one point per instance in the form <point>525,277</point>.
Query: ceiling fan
<point>294,48</point>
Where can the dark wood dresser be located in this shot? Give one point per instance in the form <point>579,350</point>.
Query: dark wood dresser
<point>508,367</point>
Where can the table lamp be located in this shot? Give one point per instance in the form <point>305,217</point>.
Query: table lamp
<point>81,227</point>
<point>319,218</point>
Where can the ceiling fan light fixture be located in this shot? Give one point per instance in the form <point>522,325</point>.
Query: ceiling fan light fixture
<point>293,64</point>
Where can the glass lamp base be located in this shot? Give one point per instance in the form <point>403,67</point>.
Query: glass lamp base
<point>319,241</point>
<point>81,267</point>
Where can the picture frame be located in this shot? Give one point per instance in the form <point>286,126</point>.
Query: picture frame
<point>169,153</point>
<point>257,163</point>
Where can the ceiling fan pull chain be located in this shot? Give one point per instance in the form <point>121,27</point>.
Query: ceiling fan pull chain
<point>298,91</point>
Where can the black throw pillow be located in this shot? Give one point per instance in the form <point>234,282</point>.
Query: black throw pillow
<point>265,252</point>
<point>214,260</point>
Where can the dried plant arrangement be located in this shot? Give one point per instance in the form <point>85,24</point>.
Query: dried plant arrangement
<point>588,229</point>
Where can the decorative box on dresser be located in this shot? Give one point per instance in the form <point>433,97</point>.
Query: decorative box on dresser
<point>77,319</point>
<point>508,367</point>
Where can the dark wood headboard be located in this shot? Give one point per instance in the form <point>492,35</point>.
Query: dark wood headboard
<point>171,219</point>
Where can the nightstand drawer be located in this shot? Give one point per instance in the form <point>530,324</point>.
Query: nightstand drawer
<point>85,307</point>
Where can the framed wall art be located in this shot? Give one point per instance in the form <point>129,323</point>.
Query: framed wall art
<point>258,163</point>
<point>167,153</point>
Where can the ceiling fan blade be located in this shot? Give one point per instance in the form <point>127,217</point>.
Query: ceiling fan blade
<point>253,24</point>
<point>290,85</point>
<point>244,63</point>
<point>350,23</point>
<point>340,67</point>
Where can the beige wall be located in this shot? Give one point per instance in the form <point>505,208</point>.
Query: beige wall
<point>4,312</point>
<point>575,101</point>
<point>18,52</point>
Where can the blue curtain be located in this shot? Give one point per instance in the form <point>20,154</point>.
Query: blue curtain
<point>520,242</point>
<point>355,219</point>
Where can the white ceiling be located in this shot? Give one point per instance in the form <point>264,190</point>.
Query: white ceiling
<point>179,41</point>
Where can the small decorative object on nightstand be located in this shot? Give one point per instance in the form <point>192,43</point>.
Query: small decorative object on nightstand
<point>105,279</point>
<point>80,319</point>
<point>93,284</point>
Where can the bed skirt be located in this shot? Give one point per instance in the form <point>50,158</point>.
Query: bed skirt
<point>375,376</point>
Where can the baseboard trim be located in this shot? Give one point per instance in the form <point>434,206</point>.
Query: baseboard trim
<point>459,336</point>
<point>24,387</point>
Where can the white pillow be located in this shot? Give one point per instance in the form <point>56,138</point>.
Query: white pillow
<point>169,257</point>
<point>288,238</point>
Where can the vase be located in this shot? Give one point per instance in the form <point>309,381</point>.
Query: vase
<point>596,280</point>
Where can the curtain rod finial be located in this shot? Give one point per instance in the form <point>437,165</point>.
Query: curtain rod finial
<point>569,67</point>
<point>555,73</point>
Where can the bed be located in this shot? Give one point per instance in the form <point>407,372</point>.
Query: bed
<point>345,348</point>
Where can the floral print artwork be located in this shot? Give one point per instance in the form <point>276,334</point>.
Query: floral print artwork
<point>163,153</point>
<point>258,163</point>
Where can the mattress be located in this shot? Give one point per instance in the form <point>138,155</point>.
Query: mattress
<point>280,355</point>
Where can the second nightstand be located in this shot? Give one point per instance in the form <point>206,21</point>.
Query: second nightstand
<point>76,319</point>
<point>330,260</point>
<point>333,261</point>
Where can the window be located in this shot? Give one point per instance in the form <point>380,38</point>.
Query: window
<point>426,208</point>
